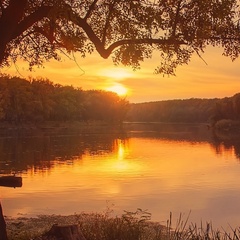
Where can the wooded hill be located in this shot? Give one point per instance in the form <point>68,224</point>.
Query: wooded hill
<point>186,111</point>
<point>39,100</point>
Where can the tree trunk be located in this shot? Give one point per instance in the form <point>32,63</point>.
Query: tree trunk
<point>9,20</point>
<point>3,231</point>
<point>68,232</point>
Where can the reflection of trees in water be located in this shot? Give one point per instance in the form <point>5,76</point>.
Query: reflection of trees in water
<point>41,153</point>
<point>192,133</point>
<point>173,132</point>
<point>226,143</point>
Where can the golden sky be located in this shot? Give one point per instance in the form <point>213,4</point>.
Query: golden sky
<point>220,77</point>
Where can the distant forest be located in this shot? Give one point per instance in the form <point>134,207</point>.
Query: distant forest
<point>186,111</point>
<point>39,100</point>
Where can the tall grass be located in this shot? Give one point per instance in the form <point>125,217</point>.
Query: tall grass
<point>135,225</point>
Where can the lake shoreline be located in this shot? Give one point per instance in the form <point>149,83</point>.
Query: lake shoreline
<point>97,226</point>
<point>223,129</point>
<point>53,128</point>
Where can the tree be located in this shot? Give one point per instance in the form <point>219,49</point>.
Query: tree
<point>67,101</point>
<point>3,231</point>
<point>130,31</point>
<point>104,106</point>
<point>236,105</point>
<point>42,90</point>
<point>18,95</point>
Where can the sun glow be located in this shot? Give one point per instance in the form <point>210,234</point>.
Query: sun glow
<point>119,89</point>
<point>119,164</point>
<point>116,73</point>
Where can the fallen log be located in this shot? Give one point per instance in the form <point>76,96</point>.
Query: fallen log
<point>11,181</point>
<point>67,232</point>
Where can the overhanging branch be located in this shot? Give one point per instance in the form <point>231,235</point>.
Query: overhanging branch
<point>105,52</point>
<point>149,41</point>
<point>108,21</point>
<point>91,8</point>
<point>30,20</point>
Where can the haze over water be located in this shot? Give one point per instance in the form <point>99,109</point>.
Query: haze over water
<point>161,168</point>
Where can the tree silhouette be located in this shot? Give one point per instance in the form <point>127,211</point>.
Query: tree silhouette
<point>3,231</point>
<point>130,31</point>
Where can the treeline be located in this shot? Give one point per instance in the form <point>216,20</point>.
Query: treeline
<point>227,108</point>
<point>186,111</point>
<point>38,100</point>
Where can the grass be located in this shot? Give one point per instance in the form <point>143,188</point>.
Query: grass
<point>130,226</point>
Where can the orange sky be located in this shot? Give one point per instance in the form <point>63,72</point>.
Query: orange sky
<point>220,78</point>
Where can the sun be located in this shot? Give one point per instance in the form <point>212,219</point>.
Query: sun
<point>119,89</point>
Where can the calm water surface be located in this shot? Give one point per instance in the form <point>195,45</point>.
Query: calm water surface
<point>159,167</point>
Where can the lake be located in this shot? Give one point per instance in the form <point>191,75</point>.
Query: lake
<point>160,168</point>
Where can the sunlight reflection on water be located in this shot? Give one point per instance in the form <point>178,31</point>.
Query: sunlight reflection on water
<point>162,171</point>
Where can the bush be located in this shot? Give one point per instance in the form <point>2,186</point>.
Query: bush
<point>227,125</point>
<point>130,226</point>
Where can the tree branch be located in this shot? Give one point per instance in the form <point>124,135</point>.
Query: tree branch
<point>105,52</point>
<point>150,41</point>
<point>30,20</point>
<point>91,8</point>
<point>43,33</point>
<point>10,17</point>
<point>108,21</point>
<point>176,18</point>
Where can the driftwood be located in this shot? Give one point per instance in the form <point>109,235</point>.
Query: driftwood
<point>67,232</point>
<point>10,181</point>
<point>3,231</point>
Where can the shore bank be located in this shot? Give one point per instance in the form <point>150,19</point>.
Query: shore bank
<point>130,226</point>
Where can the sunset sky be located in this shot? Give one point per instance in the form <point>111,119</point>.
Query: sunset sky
<point>220,77</point>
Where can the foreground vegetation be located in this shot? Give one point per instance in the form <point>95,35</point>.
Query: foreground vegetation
<point>130,226</point>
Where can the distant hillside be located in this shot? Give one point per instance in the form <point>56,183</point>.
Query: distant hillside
<point>40,100</point>
<point>186,111</point>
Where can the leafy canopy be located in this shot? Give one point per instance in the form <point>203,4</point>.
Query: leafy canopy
<point>129,31</point>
